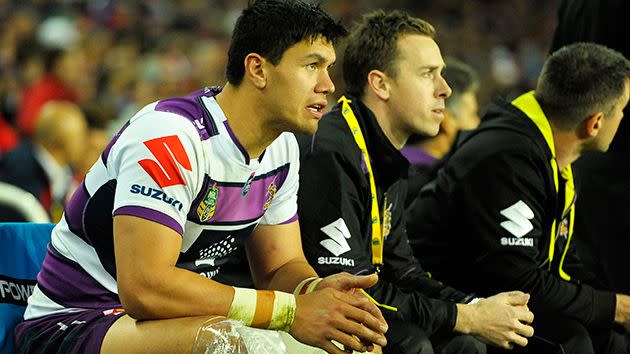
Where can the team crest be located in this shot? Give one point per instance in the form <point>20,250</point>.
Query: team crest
<point>271,192</point>
<point>564,229</point>
<point>209,204</point>
<point>387,219</point>
<point>247,185</point>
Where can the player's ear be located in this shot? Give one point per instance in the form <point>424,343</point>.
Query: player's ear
<point>378,83</point>
<point>593,124</point>
<point>255,70</point>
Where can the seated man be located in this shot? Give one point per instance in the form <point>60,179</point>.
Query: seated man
<point>189,183</point>
<point>352,187</point>
<point>460,113</point>
<point>44,165</point>
<point>500,213</point>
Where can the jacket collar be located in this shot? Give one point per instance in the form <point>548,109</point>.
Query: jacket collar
<point>389,163</point>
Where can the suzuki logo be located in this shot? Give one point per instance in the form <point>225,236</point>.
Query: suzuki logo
<point>519,215</point>
<point>168,151</point>
<point>338,233</point>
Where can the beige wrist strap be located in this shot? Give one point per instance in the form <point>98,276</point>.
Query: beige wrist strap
<point>263,308</point>
<point>307,286</point>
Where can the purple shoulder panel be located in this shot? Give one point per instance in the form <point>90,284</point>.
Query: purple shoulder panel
<point>192,108</point>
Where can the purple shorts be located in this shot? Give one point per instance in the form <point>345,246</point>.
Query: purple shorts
<point>74,332</point>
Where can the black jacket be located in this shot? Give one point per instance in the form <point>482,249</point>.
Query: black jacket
<point>20,168</point>
<point>484,224</point>
<point>335,191</point>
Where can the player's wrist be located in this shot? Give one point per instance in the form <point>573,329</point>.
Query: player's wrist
<point>464,320</point>
<point>307,286</point>
<point>266,309</point>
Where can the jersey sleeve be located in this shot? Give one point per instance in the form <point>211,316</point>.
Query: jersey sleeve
<point>283,208</point>
<point>156,164</point>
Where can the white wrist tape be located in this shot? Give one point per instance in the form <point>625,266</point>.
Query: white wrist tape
<point>263,308</point>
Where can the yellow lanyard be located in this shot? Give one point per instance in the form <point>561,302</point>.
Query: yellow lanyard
<point>528,104</point>
<point>377,234</point>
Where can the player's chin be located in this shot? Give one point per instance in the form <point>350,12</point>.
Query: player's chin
<point>308,127</point>
<point>427,130</point>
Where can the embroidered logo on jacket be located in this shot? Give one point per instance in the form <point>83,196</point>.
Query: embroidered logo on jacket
<point>518,224</point>
<point>336,244</point>
<point>387,219</point>
<point>338,233</point>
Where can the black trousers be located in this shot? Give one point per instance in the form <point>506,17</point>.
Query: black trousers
<point>568,336</point>
<point>408,338</point>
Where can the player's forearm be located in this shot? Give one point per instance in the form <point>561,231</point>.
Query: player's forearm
<point>172,293</point>
<point>288,276</point>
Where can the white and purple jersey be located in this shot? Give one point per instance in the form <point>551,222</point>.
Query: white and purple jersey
<point>177,163</point>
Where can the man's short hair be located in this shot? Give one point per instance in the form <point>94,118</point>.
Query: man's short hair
<point>579,80</point>
<point>373,45</point>
<point>462,78</point>
<point>270,27</point>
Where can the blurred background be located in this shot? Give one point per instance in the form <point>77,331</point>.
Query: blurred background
<point>112,57</point>
<point>72,72</point>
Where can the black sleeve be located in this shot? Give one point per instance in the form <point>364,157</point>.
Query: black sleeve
<point>334,215</point>
<point>508,246</point>
<point>401,267</point>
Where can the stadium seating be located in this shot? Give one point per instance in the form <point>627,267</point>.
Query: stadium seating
<point>18,205</point>
<point>21,256</point>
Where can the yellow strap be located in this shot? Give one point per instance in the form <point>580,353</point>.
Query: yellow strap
<point>377,234</point>
<point>391,308</point>
<point>528,104</point>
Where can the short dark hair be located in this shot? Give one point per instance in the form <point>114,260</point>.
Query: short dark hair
<point>372,44</point>
<point>579,80</point>
<point>462,78</point>
<point>270,27</point>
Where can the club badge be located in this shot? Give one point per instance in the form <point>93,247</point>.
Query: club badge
<point>387,218</point>
<point>271,192</point>
<point>209,204</point>
<point>248,185</point>
<point>564,229</point>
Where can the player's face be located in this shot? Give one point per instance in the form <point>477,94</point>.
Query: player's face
<point>299,84</point>
<point>418,90</point>
<point>611,122</point>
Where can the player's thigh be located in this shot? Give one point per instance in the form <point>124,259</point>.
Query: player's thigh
<point>176,335</point>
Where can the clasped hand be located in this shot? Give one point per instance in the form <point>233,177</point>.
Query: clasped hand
<point>338,311</point>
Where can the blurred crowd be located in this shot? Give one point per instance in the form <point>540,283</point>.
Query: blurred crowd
<point>112,57</point>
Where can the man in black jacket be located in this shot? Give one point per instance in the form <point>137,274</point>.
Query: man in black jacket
<point>605,176</point>
<point>352,190</point>
<point>500,213</point>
